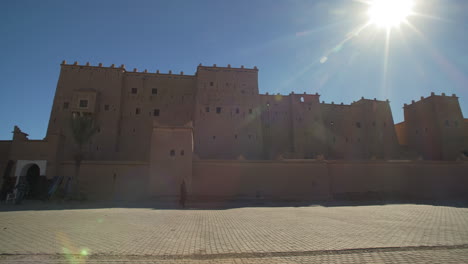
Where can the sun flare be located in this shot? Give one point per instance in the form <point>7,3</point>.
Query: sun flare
<point>389,13</point>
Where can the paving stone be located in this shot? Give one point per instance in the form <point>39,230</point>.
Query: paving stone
<point>178,235</point>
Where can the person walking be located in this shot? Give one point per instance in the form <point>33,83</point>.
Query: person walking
<point>183,194</point>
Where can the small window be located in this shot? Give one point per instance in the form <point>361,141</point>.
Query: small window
<point>99,130</point>
<point>154,91</point>
<point>182,152</point>
<point>83,103</point>
<point>373,123</point>
<point>134,90</point>
<point>302,99</point>
<point>347,140</point>
<point>137,111</point>
<point>456,123</point>
<point>332,123</point>
<point>227,84</point>
<point>237,110</point>
<point>235,136</point>
<point>106,107</point>
<point>334,139</point>
<point>250,136</point>
<point>359,140</point>
<point>425,129</point>
<point>211,83</point>
<point>358,124</point>
<point>268,104</point>
<point>65,105</point>
<point>447,123</point>
<point>384,124</point>
<point>172,153</point>
<point>156,112</point>
<point>218,110</point>
<point>214,137</point>
<point>250,111</point>
<point>207,109</point>
<point>242,92</point>
<point>417,132</point>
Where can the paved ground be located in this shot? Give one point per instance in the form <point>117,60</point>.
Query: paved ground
<point>307,234</point>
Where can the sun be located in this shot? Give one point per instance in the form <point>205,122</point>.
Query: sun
<point>389,13</point>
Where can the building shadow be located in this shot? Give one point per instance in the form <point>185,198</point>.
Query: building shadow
<point>220,204</point>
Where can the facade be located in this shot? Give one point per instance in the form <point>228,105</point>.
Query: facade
<point>159,125</point>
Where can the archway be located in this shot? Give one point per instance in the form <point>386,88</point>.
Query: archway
<point>34,181</point>
<point>31,175</point>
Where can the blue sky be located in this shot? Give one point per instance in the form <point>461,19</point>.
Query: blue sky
<point>284,39</point>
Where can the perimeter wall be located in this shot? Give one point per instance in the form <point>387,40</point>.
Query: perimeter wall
<point>325,179</point>
<point>283,179</point>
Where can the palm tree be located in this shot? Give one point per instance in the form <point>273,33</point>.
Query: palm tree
<point>82,128</point>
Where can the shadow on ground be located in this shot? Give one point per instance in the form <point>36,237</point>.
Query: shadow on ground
<point>37,205</point>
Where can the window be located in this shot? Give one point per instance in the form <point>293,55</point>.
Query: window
<point>211,83</point>
<point>83,103</point>
<point>182,152</point>
<point>302,99</point>
<point>425,129</point>
<point>250,136</point>
<point>214,137</point>
<point>172,153</point>
<point>65,105</point>
<point>154,91</point>
<point>358,124</point>
<point>156,112</point>
<point>373,123</point>
<point>447,124</point>
<point>137,111</point>
<point>456,123</point>
<point>384,124</point>
<point>218,110</point>
<point>134,90</point>
<point>332,123</point>
<point>250,111</point>
<point>334,139</point>
<point>237,110</point>
<point>227,84</point>
<point>347,140</point>
<point>235,136</point>
<point>207,109</point>
<point>242,92</point>
<point>106,107</point>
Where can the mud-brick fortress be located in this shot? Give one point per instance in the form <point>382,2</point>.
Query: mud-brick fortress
<point>216,132</point>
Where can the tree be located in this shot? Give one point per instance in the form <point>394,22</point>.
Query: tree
<point>83,129</point>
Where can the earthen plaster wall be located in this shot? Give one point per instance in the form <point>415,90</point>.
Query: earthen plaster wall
<point>226,115</point>
<point>319,180</point>
<point>434,127</point>
<point>267,179</point>
<point>120,180</point>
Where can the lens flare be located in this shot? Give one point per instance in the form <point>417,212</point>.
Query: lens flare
<point>389,13</point>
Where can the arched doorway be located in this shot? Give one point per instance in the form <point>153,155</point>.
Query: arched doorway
<point>30,177</point>
<point>34,182</point>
